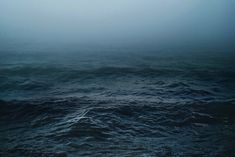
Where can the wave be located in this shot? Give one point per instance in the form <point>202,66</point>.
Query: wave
<point>79,123</point>
<point>146,81</point>
<point>116,110</point>
<point>73,72</point>
<point>70,108</point>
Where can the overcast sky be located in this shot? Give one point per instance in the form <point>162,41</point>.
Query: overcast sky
<point>119,22</point>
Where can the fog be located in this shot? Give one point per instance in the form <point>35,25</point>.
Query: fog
<point>119,23</point>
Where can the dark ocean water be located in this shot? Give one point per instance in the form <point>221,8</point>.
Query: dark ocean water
<point>117,104</point>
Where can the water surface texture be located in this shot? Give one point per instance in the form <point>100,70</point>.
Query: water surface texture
<point>117,104</point>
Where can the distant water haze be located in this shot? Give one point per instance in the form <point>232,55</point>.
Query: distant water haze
<point>122,23</point>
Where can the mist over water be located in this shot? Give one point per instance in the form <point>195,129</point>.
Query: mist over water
<point>124,23</point>
<point>117,78</point>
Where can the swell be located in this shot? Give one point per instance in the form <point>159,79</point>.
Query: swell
<point>46,78</point>
<point>30,109</point>
<point>90,124</point>
<point>73,72</point>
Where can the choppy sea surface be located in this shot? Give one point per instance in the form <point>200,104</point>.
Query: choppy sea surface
<point>117,104</point>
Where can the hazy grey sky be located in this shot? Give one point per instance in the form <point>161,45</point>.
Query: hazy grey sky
<point>150,22</point>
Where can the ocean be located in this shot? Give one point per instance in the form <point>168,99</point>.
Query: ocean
<point>117,103</point>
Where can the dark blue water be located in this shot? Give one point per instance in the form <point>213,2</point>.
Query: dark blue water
<point>117,104</point>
